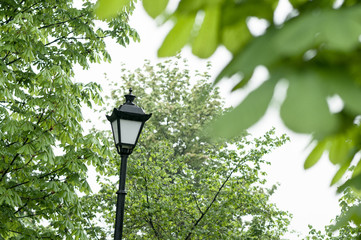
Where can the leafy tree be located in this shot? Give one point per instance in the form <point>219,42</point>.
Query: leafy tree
<point>44,151</point>
<point>181,184</point>
<point>315,50</point>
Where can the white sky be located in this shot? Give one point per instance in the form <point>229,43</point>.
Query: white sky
<point>305,194</point>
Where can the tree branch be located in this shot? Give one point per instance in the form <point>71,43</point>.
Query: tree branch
<point>41,177</point>
<point>30,215</point>
<point>71,38</point>
<point>7,170</point>
<point>16,155</point>
<point>199,209</point>
<point>62,22</point>
<point>21,208</point>
<point>16,169</point>
<point>54,41</point>
<point>29,6</point>
<point>15,60</point>
<point>149,216</point>
<point>31,199</point>
<point>7,54</point>
<point>214,199</point>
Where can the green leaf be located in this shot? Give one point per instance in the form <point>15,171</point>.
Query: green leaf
<point>188,6</point>
<point>344,86</point>
<point>316,154</point>
<point>357,169</point>
<point>352,214</point>
<point>206,41</point>
<point>246,114</point>
<point>178,36</point>
<point>295,3</point>
<point>235,36</point>
<point>341,171</point>
<point>305,109</point>
<point>340,149</point>
<point>337,29</point>
<point>354,182</point>
<point>107,9</point>
<point>247,60</point>
<point>291,32</point>
<point>26,149</point>
<point>155,7</point>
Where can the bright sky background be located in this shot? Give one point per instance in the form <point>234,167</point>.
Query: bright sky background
<point>305,194</point>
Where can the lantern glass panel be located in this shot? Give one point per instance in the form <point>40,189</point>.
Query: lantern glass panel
<point>129,131</point>
<point>115,131</point>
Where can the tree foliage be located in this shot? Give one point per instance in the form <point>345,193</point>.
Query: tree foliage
<point>180,184</point>
<point>315,50</point>
<point>44,151</point>
<point>347,222</point>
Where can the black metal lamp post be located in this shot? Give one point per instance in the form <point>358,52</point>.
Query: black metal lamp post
<point>127,122</point>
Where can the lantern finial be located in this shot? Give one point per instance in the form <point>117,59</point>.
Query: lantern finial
<point>129,97</point>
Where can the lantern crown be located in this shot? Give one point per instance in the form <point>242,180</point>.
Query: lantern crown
<point>129,97</point>
<point>129,110</point>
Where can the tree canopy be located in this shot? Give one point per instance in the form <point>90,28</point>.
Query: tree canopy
<point>315,51</point>
<point>44,151</point>
<point>182,185</point>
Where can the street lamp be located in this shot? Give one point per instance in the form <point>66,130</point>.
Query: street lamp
<point>127,122</point>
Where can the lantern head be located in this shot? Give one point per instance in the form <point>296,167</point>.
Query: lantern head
<point>127,123</point>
